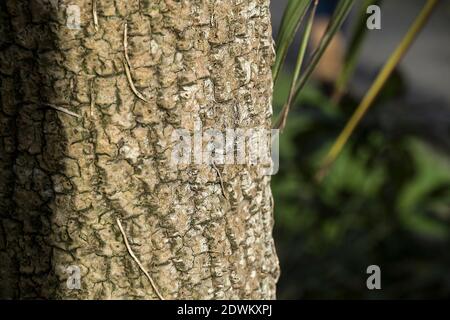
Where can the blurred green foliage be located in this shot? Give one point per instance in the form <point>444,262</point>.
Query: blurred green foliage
<point>385,201</point>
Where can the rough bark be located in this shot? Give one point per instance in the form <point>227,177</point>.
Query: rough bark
<point>65,180</point>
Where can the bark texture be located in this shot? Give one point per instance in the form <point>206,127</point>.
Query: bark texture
<point>64,180</point>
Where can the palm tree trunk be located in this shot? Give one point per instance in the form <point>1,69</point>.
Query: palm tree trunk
<point>87,117</point>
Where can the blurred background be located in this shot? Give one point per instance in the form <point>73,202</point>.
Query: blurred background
<point>386,200</point>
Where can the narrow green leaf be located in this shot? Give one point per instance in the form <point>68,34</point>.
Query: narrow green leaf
<point>338,18</point>
<point>353,51</point>
<point>300,57</point>
<point>377,86</point>
<point>292,18</point>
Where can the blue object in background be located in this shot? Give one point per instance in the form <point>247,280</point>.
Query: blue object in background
<point>326,7</point>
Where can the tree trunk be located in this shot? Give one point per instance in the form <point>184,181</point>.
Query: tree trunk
<point>85,146</point>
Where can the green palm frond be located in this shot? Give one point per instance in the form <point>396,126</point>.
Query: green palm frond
<point>300,57</point>
<point>376,87</point>
<point>340,14</point>
<point>353,51</point>
<point>292,18</point>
